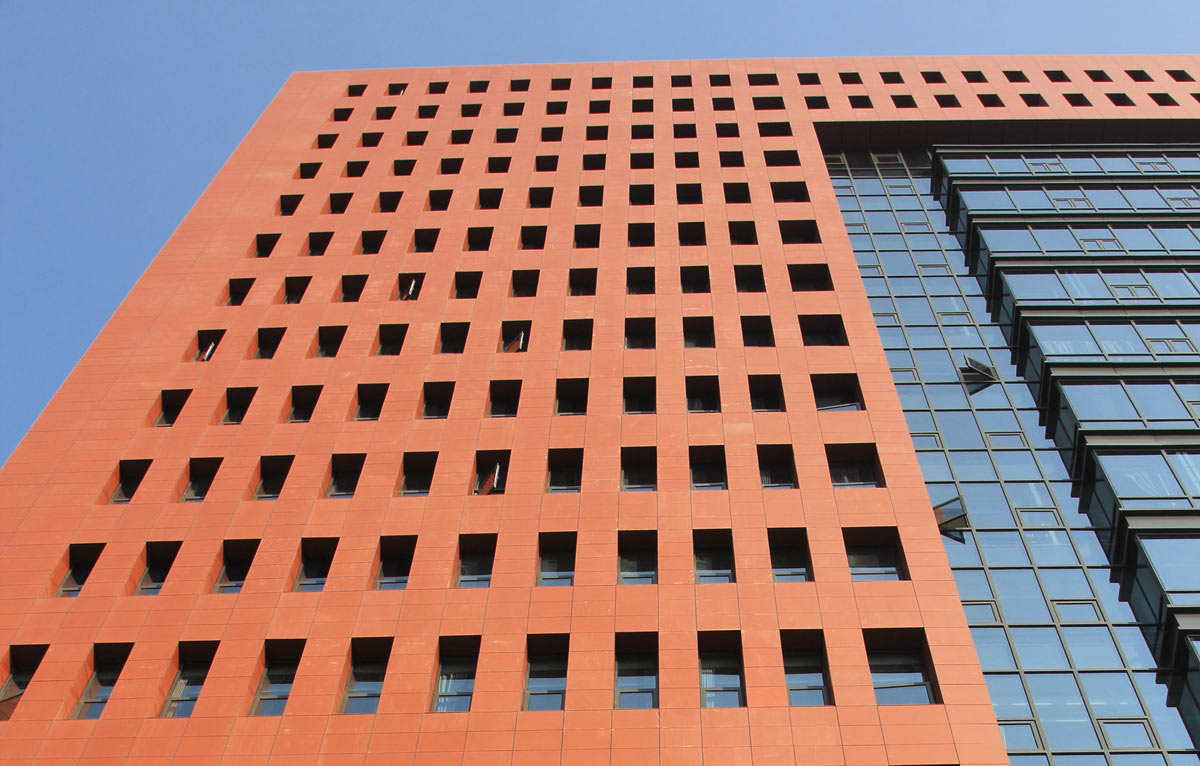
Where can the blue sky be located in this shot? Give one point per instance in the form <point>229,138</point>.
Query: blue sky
<point>117,113</point>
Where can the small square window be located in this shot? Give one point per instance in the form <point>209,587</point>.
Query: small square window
<point>556,107</point>
<point>692,234</point>
<point>684,130</point>
<point>641,235</point>
<point>641,160</point>
<point>513,108</point>
<point>514,336</point>
<point>854,465</point>
<point>581,282</point>
<point>594,161</point>
<point>688,194</point>
<point>416,473</point>
<point>782,158</point>
<point>774,129</point>
<point>503,398</point>
<point>587,235</point>
<point>974,76</point>
<point>491,474</point>
<point>466,284</point>
<point>719,80</point>
<point>639,333</point>
<point>637,556</point>
<point>789,555</point>
<point>1056,75</point>
<point>524,283</point>
<point>435,400</point>
<point>577,335</point>
<point>766,393</point>
<point>638,132</point>
<point>698,332</point>
<point>742,233</point>
<point>564,469</point>
<point>642,105</point>
<point>639,396</point>
<point>403,167</point>
<point>777,466</point>
<point>391,339</point>
<point>703,393</point>
<point>749,279</point>
<point>571,396</point>
<point>707,467</point>
<point>452,337</point>
<point>727,130</point>
<point>683,105</point>
<point>639,280</point>
<point>694,279</point>
<point>1180,75</point>
<point>723,104</point>
<point>338,203</point>
<point>344,474</point>
<point>767,103</point>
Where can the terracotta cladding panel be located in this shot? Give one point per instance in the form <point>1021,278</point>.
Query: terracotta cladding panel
<point>57,485</point>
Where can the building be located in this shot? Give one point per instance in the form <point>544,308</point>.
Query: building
<point>806,411</point>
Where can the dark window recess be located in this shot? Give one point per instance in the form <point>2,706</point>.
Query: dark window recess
<point>816,102</point>
<point>403,167</point>
<point>577,335</point>
<point>552,134</point>
<point>81,559</point>
<point>680,130</point>
<point>356,169</point>
<point>416,137</point>
<point>1163,99</point>
<point>450,166</point>
<point>722,678</point>
<point>692,159</point>
<point>160,555</point>
<point>396,88</point>
<point>766,393</point>
<point>439,199</point>
<point>799,232</point>
<point>729,159</point>
<point>974,76</point>
<point>749,278</point>
<point>683,105</point>
<point>342,114</point>
<point>237,401</point>
<point>772,129</point>
<point>479,238</point>
<point>524,283</point>
<point>514,336</point>
<point>506,135</point>
<point>713,550</point>
<point>805,668</point>
<point>489,199</point>
<point>201,472</point>
<point>1033,99</point>
<point>1120,99</point>
<point>560,83</point>
<point>395,561</point>
<point>904,101</point>
<point>990,100</point>
<point>723,104</point>
<point>438,87</point>
<point>719,80</point>
<point>1056,75</point>
<point>639,280</point>
<point>587,235</point>
<point>854,465</point>
<point>638,396</point>
<point>641,235</point>
<point>837,392</point>
<point>370,399</point>
<point>491,471</point>
<point>556,107</point>
<point>641,194</point>
<point>129,477</point>
<point>459,137</point>
<point>643,105</point>
<point>546,672</point>
<point>513,108</point>
<point>339,202</point>
<point>1180,75</point>
<point>504,396</point>
<point>470,110</point>
<point>425,240</point>
<point>288,203</point>
<point>571,396</point>
<point>391,339</point>
<point>707,467</point>
<point>822,330</point>
<point>108,660</point>
<point>742,233</point>
<point>639,469</point>
<point>238,289</point>
<point>564,468</point>
<point>326,140</point>
<point>728,129</point>
<point>329,340</point>
<point>170,403</point>
<point>294,288</point>
<point>643,81</point>
<point>1014,75</point>
<point>596,132</point>
<point>601,83</point>
<point>316,559</point>
<point>236,559</point>
<point>1139,75</point>
<point>594,161</point>
<point>272,474</point>
<point>581,282</point>
<point>417,473</point>
<point>757,331</point>
<point>698,332</point>
<point>789,191</point>
<point>368,667</point>
<point>777,466</point>
<point>304,401</point>
<point>900,667</point>
<point>946,100</point>
<point>681,81</point>
<point>318,242</point>
<point>765,78</point>
<point>641,160</point>
<point>518,86</point>
<point>891,78</point>
<point>639,332</point>
<point>782,158</point>
<point>789,555</point>
<point>436,398</point>
<point>591,196</point>
<point>269,339</point>
<point>23,662</point>
<point>452,337</point>
<point>206,343</point>
<point>807,277</point>
<point>466,284</point>
<point>599,106</point>
<point>308,170</point>
<point>874,553</point>
<point>808,78</point>
<point>371,139</point>
<point>694,279</point>
<point>860,102</point>
<point>281,660</point>
<point>703,393</point>
<point>766,103</point>
<point>427,111</point>
<point>692,234</point>
<point>541,196</point>
<point>637,552</point>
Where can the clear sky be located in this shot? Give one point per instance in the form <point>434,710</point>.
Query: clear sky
<point>116,114</point>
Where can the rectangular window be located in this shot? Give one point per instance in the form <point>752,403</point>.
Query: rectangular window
<point>703,393</point>
<point>504,396</point>
<point>435,402</point>
<point>23,661</point>
<point>238,290</point>
<point>159,558</point>
<point>370,401</point>
<point>108,660</point>
<point>713,549</point>
<point>789,555</point>
<point>698,332</point>
<point>854,465</point>
<point>452,338</point>
<point>237,401</point>
<point>639,332</point>
<point>564,470</point>
<point>766,393</point>
<point>457,657</point>
<point>395,561</point>
<point>837,393</point>
<point>822,330</point>
<point>639,469</point>
<point>777,466</point>
<point>524,283</point>
<point>272,471</point>
<point>408,286</point>
<point>581,282</point>
<point>637,557</point>
<point>344,471</point>
<point>636,684</point>
<point>195,659</point>
<point>206,344</point>
<point>391,339</point>
<point>874,553</point>
<point>236,558</point>
<point>368,666</point>
<point>694,279</point>
<point>81,559</point>
<point>639,396</point>
<point>556,558</point>
<point>546,678</point>
<point>476,553</point>
<point>514,336</point>
<point>129,477</point>
<point>571,396</point>
<point>282,659</point>
<point>805,668</point>
<point>900,670</point>
<point>749,279</point>
<point>329,341</point>
<point>201,472</point>
<point>639,280</point>
<point>707,465</point>
<point>577,335</point>
<point>316,558</point>
<point>417,473</point>
<point>170,404</point>
<point>304,401</point>
<point>757,331</point>
<point>722,683</point>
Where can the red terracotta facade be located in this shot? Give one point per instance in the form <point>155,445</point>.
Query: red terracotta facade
<point>55,490</point>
